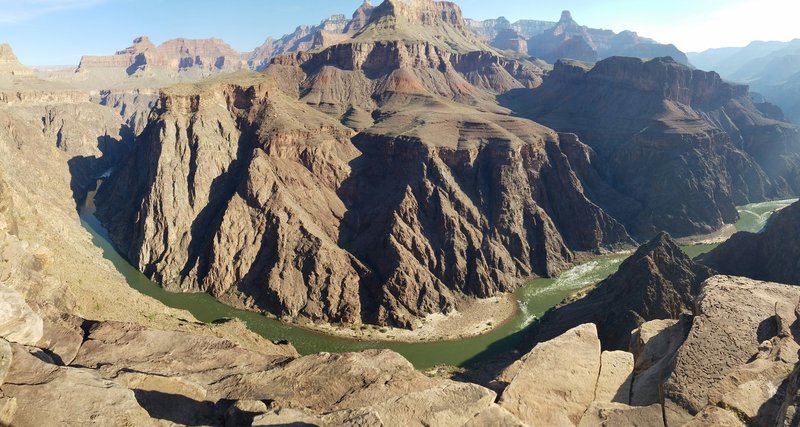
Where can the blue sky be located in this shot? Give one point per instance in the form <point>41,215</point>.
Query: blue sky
<point>44,32</point>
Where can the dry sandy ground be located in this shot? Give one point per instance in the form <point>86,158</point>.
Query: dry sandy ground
<point>718,236</point>
<point>473,317</point>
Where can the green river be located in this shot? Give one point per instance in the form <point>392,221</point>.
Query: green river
<point>535,298</point>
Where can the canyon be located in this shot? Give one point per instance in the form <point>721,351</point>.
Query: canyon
<point>378,180</point>
<point>371,174</point>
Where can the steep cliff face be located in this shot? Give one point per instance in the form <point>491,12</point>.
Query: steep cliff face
<point>659,281</point>
<point>678,147</point>
<point>133,105</point>
<point>242,192</point>
<point>770,255</point>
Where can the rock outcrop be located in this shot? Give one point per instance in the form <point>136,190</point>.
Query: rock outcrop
<point>770,255</point>
<point>673,148</point>
<point>9,64</point>
<point>740,353</point>
<point>733,361</point>
<point>18,323</point>
<point>569,40</point>
<point>564,371</point>
<point>659,281</point>
<point>654,346</point>
<point>126,374</point>
<point>568,381</point>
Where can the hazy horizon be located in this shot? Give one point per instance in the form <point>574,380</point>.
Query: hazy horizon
<point>58,32</point>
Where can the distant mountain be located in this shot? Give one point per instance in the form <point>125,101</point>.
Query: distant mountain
<point>330,31</point>
<point>772,69</point>
<point>728,60</point>
<point>173,56</point>
<point>552,41</point>
<point>145,65</point>
<point>504,35</point>
<point>14,76</point>
<point>568,39</point>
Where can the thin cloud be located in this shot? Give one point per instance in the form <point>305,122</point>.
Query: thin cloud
<point>17,11</point>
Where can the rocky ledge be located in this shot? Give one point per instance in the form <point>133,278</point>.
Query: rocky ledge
<point>734,363</point>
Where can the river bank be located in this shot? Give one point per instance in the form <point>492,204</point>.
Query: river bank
<point>472,317</point>
<point>476,330</point>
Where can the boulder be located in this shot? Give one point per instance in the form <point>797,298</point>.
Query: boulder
<point>716,417</point>
<point>563,373</point>
<point>737,353</point>
<point>494,416</point>
<point>47,394</point>
<point>8,409</point>
<point>616,374</point>
<point>446,404</point>
<point>654,345</point>
<point>18,323</point>
<point>62,337</point>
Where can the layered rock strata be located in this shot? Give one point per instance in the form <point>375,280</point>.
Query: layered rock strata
<point>673,148</point>
<point>173,56</point>
<point>376,248</point>
<point>255,197</point>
